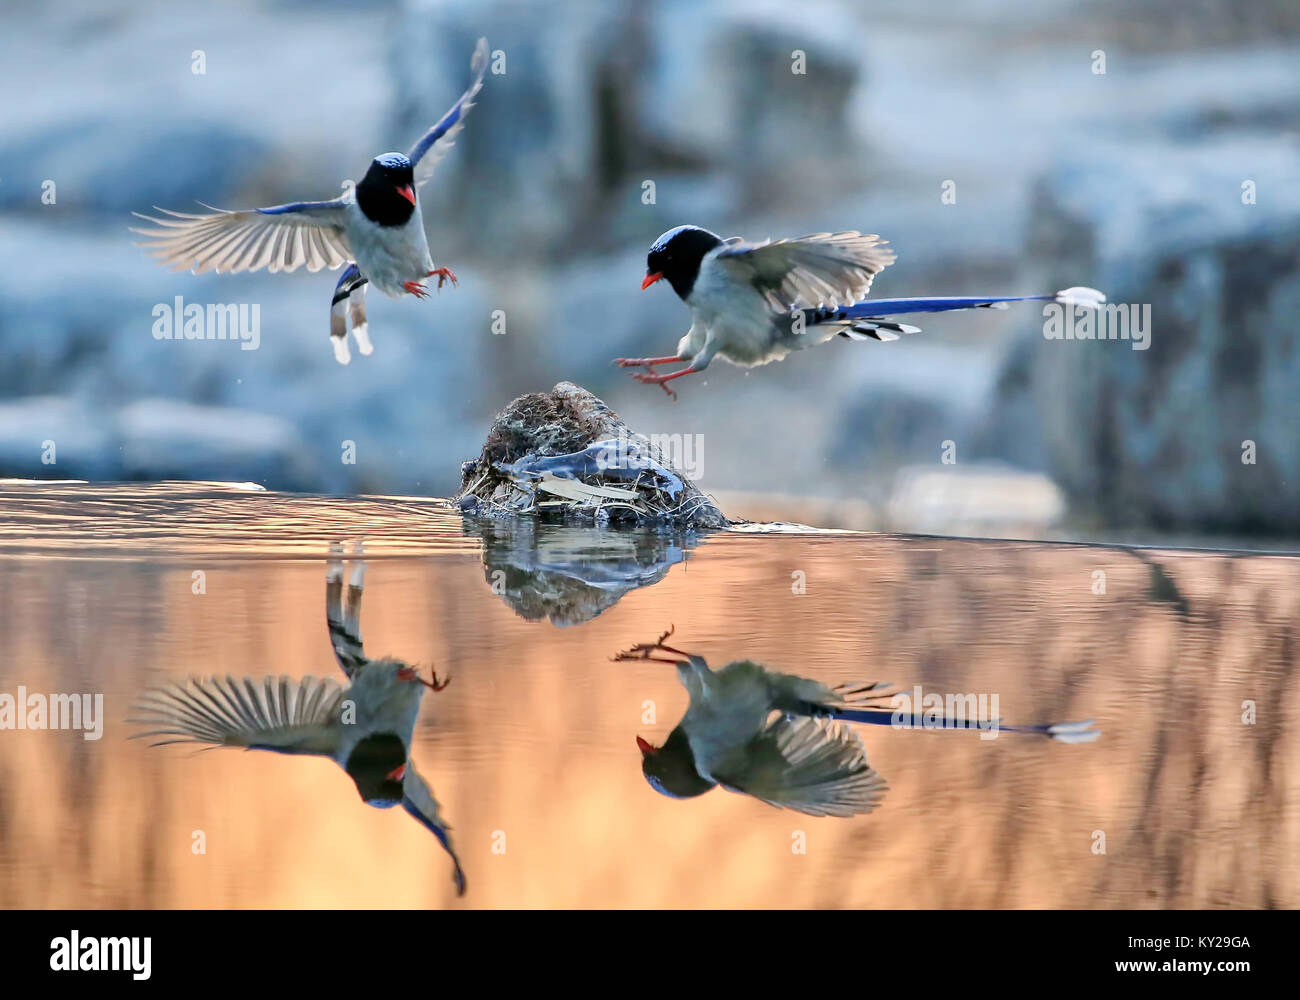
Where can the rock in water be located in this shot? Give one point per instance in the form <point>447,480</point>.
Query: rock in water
<point>565,453</point>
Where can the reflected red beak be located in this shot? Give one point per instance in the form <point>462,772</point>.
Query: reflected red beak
<point>406,192</point>
<point>645,747</point>
<point>397,773</point>
<point>650,279</point>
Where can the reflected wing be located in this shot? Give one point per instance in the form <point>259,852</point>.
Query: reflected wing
<point>418,800</point>
<point>435,143</point>
<point>271,713</point>
<point>814,766</point>
<point>282,238</point>
<point>823,269</point>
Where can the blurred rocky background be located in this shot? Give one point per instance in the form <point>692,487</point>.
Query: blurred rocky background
<point>1133,180</point>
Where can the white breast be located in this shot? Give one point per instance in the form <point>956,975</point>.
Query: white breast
<point>737,319</point>
<point>381,703</point>
<point>389,256</point>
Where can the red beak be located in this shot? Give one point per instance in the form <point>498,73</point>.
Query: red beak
<point>650,279</point>
<point>645,747</point>
<point>396,773</point>
<point>406,192</point>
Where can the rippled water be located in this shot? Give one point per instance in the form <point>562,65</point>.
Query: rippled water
<point>531,751</point>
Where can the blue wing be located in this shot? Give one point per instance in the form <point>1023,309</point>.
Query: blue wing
<point>418,800</point>
<point>301,206</point>
<point>435,143</point>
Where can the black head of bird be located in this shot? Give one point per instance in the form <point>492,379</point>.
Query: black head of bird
<point>670,769</point>
<point>386,194</point>
<point>377,764</point>
<point>676,255</point>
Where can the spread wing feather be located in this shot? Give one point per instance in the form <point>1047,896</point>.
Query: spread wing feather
<point>282,238</point>
<point>271,713</point>
<point>822,269</point>
<point>814,766</point>
<point>435,143</point>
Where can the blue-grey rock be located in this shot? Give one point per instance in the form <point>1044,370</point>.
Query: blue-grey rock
<point>1198,431</point>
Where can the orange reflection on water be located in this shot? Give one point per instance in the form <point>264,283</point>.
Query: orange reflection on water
<point>531,749</point>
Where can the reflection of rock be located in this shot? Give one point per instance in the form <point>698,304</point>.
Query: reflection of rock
<point>570,574</point>
<point>1157,436</point>
<point>1163,587</point>
<point>565,453</point>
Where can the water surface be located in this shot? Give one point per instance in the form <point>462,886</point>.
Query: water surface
<point>531,750</point>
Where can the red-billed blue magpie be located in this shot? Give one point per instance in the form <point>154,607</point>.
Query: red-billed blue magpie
<point>753,303</point>
<point>375,227</point>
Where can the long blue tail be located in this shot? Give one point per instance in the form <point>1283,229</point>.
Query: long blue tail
<point>942,303</point>
<point>1062,732</point>
<point>1088,298</point>
<point>866,320</point>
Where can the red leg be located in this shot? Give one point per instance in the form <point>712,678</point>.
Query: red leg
<point>645,362</point>
<point>444,274</point>
<point>416,289</point>
<point>650,378</point>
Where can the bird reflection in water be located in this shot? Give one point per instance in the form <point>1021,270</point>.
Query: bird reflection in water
<point>366,728</point>
<point>784,739</point>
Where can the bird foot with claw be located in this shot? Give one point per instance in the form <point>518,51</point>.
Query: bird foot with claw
<point>409,674</point>
<point>444,274</point>
<point>416,289</point>
<point>650,378</point>
<point>642,650</point>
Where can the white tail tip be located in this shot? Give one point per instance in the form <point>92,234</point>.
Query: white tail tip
<point>1085,298</point>
<point>1074,732</point>
<point>363,339</point>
